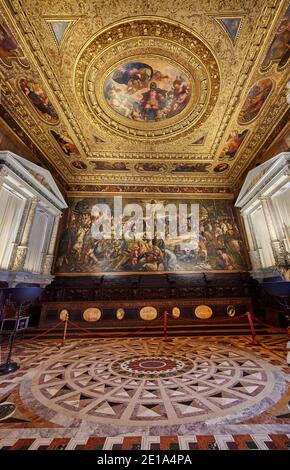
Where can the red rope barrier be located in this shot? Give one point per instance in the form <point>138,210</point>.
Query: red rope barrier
<point>165,319</point>
<point>165,316</point>
<point>34,338</point>
<point>250,318</point>
<point>104,334</point>
<point>270,326</point>
<point>208,320</point>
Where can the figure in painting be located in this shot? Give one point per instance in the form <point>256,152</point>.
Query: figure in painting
<point>219,246</point>
<point>36,95</point>
<point>150,91</point>
<point>221,167</point>
<point>135,75</point>
<point>180,96</point>
<point>79,165</point>
<point>65,143</point>
<point>9,48</point>
<point>233,143</point>
<point>279,50</point>
<point>255,100</point>
<point>150,166</point>
<point>111,166</point>
<point>153,102</point>
<point>191,167</point>
<point>118,102</point>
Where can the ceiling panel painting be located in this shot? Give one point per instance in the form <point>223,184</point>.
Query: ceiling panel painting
<point>124,94</point>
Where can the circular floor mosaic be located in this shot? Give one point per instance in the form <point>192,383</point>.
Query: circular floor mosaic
<point>147,382</point>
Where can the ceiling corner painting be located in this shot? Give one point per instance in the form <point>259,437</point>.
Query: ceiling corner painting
<point>147,90</point>
<point>279,50</point>
<point>58,28</point>
<point>232,27</point>
<point>218,244</point>
<point>10,51</point>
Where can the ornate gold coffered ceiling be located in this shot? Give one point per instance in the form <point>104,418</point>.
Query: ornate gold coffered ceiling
<point>146,95</point>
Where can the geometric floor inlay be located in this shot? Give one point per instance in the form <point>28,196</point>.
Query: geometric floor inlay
<point>141,382</point>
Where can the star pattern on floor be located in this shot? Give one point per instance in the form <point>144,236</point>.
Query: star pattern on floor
<point>100,382</point>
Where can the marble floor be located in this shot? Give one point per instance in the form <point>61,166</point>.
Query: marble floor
<point>191,393</point>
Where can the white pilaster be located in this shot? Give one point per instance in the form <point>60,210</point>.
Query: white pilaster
<point>22,248</point>
<point>48,258</point>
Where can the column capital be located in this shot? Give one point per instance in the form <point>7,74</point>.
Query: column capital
<point>255,259</point>
<point>3,174</point>
<point>47,263</point>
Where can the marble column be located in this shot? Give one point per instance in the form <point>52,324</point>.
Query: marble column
<point>22,248</point>
<point>48,258</point>
<point>254,251</point>
<point>275,243</point>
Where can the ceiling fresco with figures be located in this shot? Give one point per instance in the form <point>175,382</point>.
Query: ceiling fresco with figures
<point>137,96</point>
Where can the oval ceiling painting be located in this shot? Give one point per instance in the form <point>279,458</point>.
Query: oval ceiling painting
<point>151,90</point>
<point>255,100</point>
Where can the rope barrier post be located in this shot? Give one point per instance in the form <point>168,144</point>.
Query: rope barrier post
<point>165,319</point>
<point>250,319</point>
<point>65,329</point>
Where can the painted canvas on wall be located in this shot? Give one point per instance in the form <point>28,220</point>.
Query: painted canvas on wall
<point>219,245</point>
<point>152,90</point>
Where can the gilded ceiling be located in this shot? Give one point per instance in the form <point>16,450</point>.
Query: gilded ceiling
<point>165,96</point>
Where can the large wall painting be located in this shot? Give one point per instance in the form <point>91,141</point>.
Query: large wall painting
<point>255,100</point>
<point>152,90</point>
<point>219,245</point>
<point>279,50</point>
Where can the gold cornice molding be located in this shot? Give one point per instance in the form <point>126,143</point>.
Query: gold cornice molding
<point>248,70</point>
<point>200,195</point>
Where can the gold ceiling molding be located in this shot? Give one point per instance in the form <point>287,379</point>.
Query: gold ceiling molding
<point>137,156</point>
<point>267,125</point>
<point>92,58</point>
<point>266,17</point>
<point>161,39</point>
<point>133,192</point>
<point>155,179</point>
